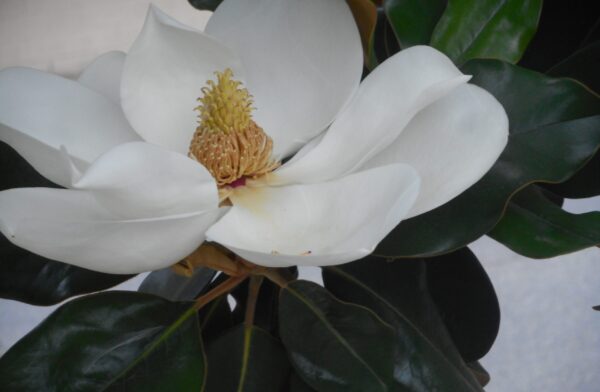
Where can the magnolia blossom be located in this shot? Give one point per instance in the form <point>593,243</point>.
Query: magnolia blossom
<point>148,179</point>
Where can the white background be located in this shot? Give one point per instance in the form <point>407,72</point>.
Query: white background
<point>549,336</point>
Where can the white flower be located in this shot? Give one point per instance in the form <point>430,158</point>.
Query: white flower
<point>411,137</point>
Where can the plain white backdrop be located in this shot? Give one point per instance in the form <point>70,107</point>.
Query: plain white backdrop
<point>549,336</point>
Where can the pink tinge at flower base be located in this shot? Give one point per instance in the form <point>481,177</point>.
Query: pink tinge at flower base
<point>412,136</point>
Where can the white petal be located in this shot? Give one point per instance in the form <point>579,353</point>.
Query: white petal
<point>452,143</point>
<point>69,226</point>
<point>104,75</point>
<point>40,112</point>
<point>386,101</point>
<point>317,224</point>
<point>164,73</point>
<point>303,61</point>
<point>141,180</point>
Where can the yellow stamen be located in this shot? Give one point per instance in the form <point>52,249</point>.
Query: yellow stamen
<point>227,141</point>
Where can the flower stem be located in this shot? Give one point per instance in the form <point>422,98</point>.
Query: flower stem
<point>253,290</point>
<point>274,276</point>
<point>221,289</point>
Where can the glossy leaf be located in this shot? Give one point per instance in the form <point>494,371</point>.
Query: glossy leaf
<point>205,5</point>
<point>297,385</point>
<point>467,301</point>
<point>246,360</point>
<point>585,183</point>
<point>549,118</point>
<point>122,341</point>
<point>337,346</point>
<point>27,277</point>
<point>582,65</point>
<point>383,42</point>
<point>535,227</point>
<point>449,299</point>
<point>479,372</point>
<point>413,21</point>
<point>498,29</point>
<point>168,284</point>
<point>564,27</point>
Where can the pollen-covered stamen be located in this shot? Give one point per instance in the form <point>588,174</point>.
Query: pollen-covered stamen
<point>228,142</point>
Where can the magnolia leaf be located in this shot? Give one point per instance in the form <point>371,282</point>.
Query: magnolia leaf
<point>246,359</point>
<point>168,284</point>
<point>413,21</point>
<point>549,118</point>
<point>537,228</point>
<point>383,42</point>
<point>365,16</point>
<point>564,27</point>
<point>205,5</point>
<point>479,372</point>
<point>466,300</point>
<point>449,299</point>
<point>215,318</point>
<point>123,341</point>
<point>338,346</point>
<point>27,277</point>
<point>498,29</point>
<point>297,385</point>
<point>582,65</point>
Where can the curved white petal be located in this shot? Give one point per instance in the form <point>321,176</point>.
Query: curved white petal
<point>140,180</point>
<point>317,224</point>
<point>164,73</point>
<point>303,60</point>
<point>104,75</point>
<point>40,112</point>
<point>452,143</point>
<point>385,102</point>
<point>70,226</point>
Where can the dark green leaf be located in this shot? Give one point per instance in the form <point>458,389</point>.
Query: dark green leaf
<point>447,302</point>
<point>122,341</point>
<point>585,183</point>
<point>413,21</point>
<point>498,29</point>
<point>297,385</point>
<point>549,118</point>
<point>215,318</point>
<point>479,372</point>
<point>467,301</point>
<point>583,66</point>
<point>337,346</point>
<point>384,42</point>
<point>209,5</point>
<point>562,30</point>
<point>168,284</point>
<point>246,360</point>
<point>30,278</point>
<point>535,227</point>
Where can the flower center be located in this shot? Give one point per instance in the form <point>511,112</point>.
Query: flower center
<point>227,141</point>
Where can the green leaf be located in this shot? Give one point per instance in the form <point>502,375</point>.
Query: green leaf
<point>479,372</point>
<point>413,21</point>
<point>449,300</point>
<point>582,65</point>
<point>246,360</point>
<point>549,118</point>
<point>168,284</point>
<point>122,341</point>
<point>337,346</point>
<point>562,30</point>
<point>535,227</point>
<point>205,5</point>
<point>585,183</point>
<point>383,42</point>
<point>498,29</point>
<point>215,318</point>
<point>467,301</point>
<point>297,385</point>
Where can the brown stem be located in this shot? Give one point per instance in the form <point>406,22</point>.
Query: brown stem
<point>253,290</point>
<point>274,276</point>
<point>221,289</point>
